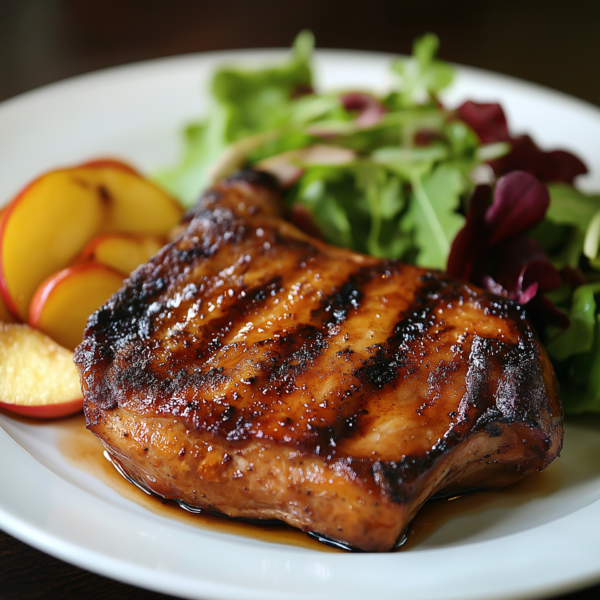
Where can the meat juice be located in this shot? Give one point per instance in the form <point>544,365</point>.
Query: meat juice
<point>81,448</point>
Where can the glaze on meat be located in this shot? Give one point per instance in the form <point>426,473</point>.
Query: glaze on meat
<point>251,370</point>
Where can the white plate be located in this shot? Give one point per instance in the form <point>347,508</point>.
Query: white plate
<point>542,545</point>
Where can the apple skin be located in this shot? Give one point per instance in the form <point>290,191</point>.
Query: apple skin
<point>62,304</point>
<point>50,221</point>
<point>45,411</point>
<point>100,163</point>
<point>32,226</point>
<point>38,378</point>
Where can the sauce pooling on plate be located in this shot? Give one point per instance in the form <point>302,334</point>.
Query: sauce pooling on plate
<point>81,448</point>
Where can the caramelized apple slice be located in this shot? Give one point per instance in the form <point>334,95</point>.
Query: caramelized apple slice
<point>133,204</point>
<point>121,252</point>
<point>37,376</point>
<point>42,230</point>
<point>62,303</point>
<point>49,223</point>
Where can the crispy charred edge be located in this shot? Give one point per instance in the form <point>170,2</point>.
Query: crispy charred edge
<point>127,318</point>
<point>255,177</point>
<point>260,180</point>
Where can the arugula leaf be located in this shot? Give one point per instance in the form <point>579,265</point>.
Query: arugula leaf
<point>384,198</point>
<point>569,206</point>
<point>259,100</point>
<point>580,381</point>
<point>326,192</point>
<point>578,338</point>
<point>433,215</point>
<point>422,76</point>
<point>246,103</point>
<point>581,212</point>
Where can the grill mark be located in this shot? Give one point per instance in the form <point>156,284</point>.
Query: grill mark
<point>216,329</point>
<point>292,355</point>
<point>313,339</point>
<point>295,352</point>
<point>299,351</point>
<point>398,355</point>
<point>393,355</point>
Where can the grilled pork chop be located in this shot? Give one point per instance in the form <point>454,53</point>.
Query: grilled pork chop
<point>252,370</point>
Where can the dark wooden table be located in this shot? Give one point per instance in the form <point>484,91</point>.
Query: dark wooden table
<point>554,43</point>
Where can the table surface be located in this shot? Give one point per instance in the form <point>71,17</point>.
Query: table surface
<point>41,41</point>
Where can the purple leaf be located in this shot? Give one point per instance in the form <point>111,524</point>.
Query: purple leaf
<point>528,294</point>
<point>492,249</point>
<point>370,109</point>
<point>541,272</point>
<point>556,165</point>
<point>492,286</point>
<point>426,137</point>
<point>472,239</point>
<point>486,120</point>
<point>520,202</point>
<point>550,314</point>
<point>513,257</point>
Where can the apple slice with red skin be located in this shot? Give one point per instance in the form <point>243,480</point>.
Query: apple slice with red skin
<point>120,251</point>
<point>133,204</point>
<point>37,376</point>
<point>111,162</point>
<point>41,231</point>
<point>49,223</point>
<point>62,304</point>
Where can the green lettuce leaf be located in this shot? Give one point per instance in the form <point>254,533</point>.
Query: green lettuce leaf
<point>578,338</point>
<point>246,103</point>
<point>569,206</point>
<point>433,215</point>
<point>421,75</point>
<point>580,380</point>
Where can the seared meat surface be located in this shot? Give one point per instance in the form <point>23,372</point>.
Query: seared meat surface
<point>252,370</point>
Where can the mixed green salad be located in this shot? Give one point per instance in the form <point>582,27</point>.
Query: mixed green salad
<point>403,176</point>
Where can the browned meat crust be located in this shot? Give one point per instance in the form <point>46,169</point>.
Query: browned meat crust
<point>254,371</point>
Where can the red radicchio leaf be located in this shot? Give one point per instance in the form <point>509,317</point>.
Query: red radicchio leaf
<point>370,110</point>
<point>489,123</point>
<point>486,120</point>
<point>514,256</point>
<point>556,165</point>
<point>537,275</point>
<point>529,294</point>
<point>497,232</point>
<point>472,239</point>
<point>573,276</point>
<point>520,202</point>
<point>492,286</point>
<point>541,272</point>
<point>549,314</point>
